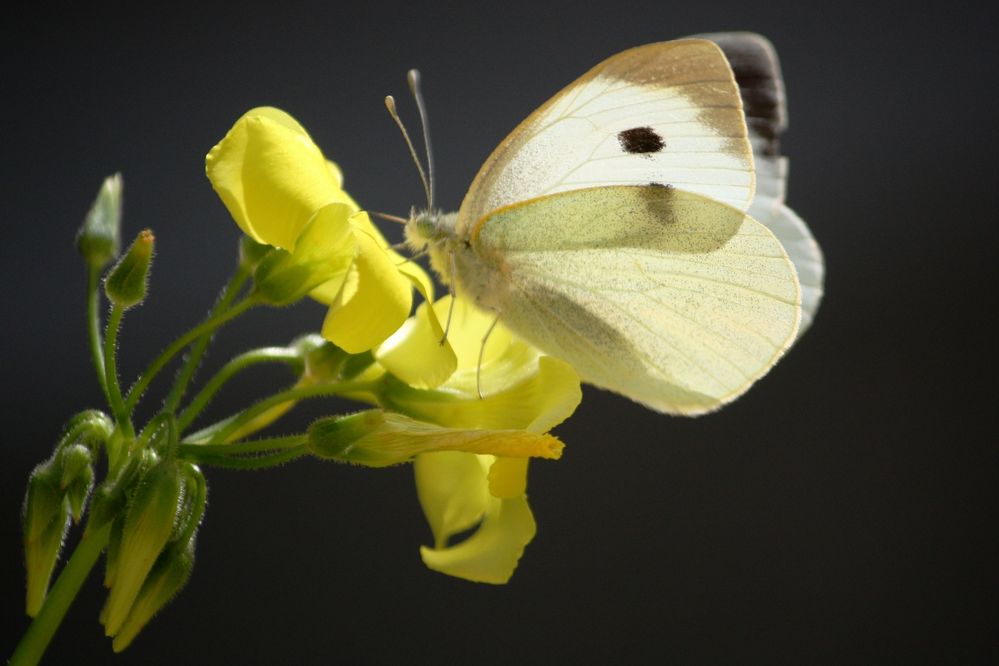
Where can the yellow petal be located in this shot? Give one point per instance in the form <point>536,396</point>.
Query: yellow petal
<point>415,354</point>
<point>364,225</point>
<point>491,554</point>
<point>453,491</point>
<point>508,477</point>
<point>469,327</point>
<point>373,303</point>
<point>271,176</point>
<point>545,391</point>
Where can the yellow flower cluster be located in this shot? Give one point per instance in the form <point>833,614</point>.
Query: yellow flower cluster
<point>469,416</point>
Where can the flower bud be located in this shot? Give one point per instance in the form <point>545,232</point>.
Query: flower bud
<point>149,523</point>
<point>377,439</point>
<point>99,237</point>
<point>126,284</point>
<point>167,577</point>
<point>77,478</point>
<point>45,519</point>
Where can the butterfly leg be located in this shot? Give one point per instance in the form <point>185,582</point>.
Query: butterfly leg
<point>482,352</point>
<point>454,297</point>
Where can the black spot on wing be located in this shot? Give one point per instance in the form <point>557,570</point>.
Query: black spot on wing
<point>640,141</point>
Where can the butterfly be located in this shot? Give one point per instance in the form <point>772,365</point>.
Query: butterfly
<point>634,226</point>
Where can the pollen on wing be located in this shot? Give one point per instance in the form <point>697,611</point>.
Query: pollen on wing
<point>640,141</point>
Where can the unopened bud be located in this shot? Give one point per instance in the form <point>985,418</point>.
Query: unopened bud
<point>167,577</point>
<point>149,522</point>
<point>77,478</point>
<point>126,285</point>
<point>99,237</point>
<point>375,438</point>
<point>45,519</point>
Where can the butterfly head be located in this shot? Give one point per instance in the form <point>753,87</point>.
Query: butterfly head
<point>428,228</point>
<point>431,232</point>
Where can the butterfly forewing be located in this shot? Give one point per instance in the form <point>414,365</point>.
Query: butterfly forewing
<point>668,297</point>
<point>667,113</point>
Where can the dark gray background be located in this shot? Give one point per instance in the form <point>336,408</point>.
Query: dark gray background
<point>843,511</point>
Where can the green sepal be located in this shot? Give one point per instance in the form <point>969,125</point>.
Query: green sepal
<point>324,361</point>
<point>99,238</point>
<point>251,253</point>
<point>126,284</point>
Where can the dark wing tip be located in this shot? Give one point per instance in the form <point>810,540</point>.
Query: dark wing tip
<point>757,72</point>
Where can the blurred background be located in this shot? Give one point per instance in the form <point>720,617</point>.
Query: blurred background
<point>843,511</point>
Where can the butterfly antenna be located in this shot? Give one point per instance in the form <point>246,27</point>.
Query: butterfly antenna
<point>413,78</point>
<point>390,105</point>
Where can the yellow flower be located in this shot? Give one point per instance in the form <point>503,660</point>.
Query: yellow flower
<point>523,393</point>
<point>275,182</point>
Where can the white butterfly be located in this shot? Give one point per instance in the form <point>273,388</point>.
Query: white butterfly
<point>610,228</point>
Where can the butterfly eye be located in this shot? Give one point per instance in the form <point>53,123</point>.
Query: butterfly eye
<point>426,226</point>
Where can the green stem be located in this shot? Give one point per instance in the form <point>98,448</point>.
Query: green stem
<point>196,451</point>
<point>198,348</point>
<point>94,329</point>
<point>241,362</point>
<point>255,462</point>
<point>226,427</point>
<point>179,344</point>
<point>122,413</point>
<point>36,639</point>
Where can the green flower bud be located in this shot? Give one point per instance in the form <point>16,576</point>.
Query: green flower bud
<point>77,478</point>
<point>377,439</point>
<point>45,519</point>
<point>126,284</point>
<point>192,506</point>
<point>149,523</point>
<point>99,238</point>
<point>91,427</point>
<point>167,577</point>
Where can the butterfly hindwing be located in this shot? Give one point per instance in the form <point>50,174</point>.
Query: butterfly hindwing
<point>757,72</point>
<point>668,297</point>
